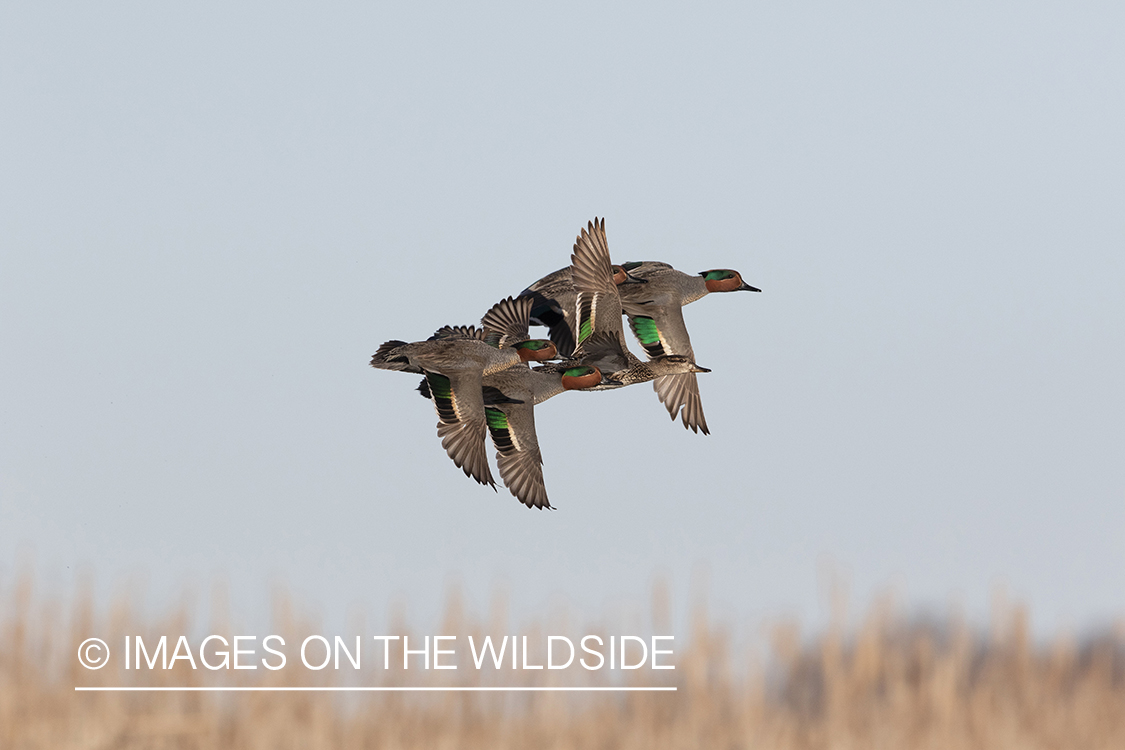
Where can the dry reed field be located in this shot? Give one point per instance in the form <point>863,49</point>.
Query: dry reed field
<point>887,683</point>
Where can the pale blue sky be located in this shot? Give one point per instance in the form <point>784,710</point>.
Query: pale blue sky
<point>211,216</point>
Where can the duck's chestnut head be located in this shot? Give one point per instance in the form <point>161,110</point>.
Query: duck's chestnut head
<point>584,376</point>
<point>536,350</point>
<point>726,280</point>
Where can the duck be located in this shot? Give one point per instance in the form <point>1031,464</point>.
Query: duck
<point>509,397</point>
<point>599,336</point>
<point>454,367</point>
<point>656,318</point>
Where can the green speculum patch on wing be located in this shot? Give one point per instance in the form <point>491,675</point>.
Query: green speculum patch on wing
<point>587,303</point>
<point>585,330</point>
<point>442,394</point>
<point>496,419</point>
<point>498,427</point>
<point>648,334</point>
<point>439,385</point>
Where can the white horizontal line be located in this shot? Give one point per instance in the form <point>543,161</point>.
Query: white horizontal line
<point>373,689</point>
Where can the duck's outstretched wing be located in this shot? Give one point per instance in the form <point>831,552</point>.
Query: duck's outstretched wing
<point>458,332</point>
<point>512,427</point>
<point>461,423</point>
<point>682,391</point>
<point>665,333</point>
<point>661,330</point>
<point>505,323</point>
<point>598,307</point>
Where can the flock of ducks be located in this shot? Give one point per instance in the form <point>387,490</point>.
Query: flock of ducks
<point>480,379</point>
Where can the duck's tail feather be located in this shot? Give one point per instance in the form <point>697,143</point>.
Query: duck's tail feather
<point>388,357</point>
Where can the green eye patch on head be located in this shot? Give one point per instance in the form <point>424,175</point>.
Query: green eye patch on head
<point>631,265</point>
<point>534,344</point>
<point>718,275</point>
<point>577,372</point>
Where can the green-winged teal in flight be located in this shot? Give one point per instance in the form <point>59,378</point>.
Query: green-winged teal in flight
<point>510,395</point>
<point>454,368</point>
<point>656,317</point>
<point>480,380</point>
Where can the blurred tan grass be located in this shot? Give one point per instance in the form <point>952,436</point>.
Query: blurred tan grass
<point>887,683</point>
